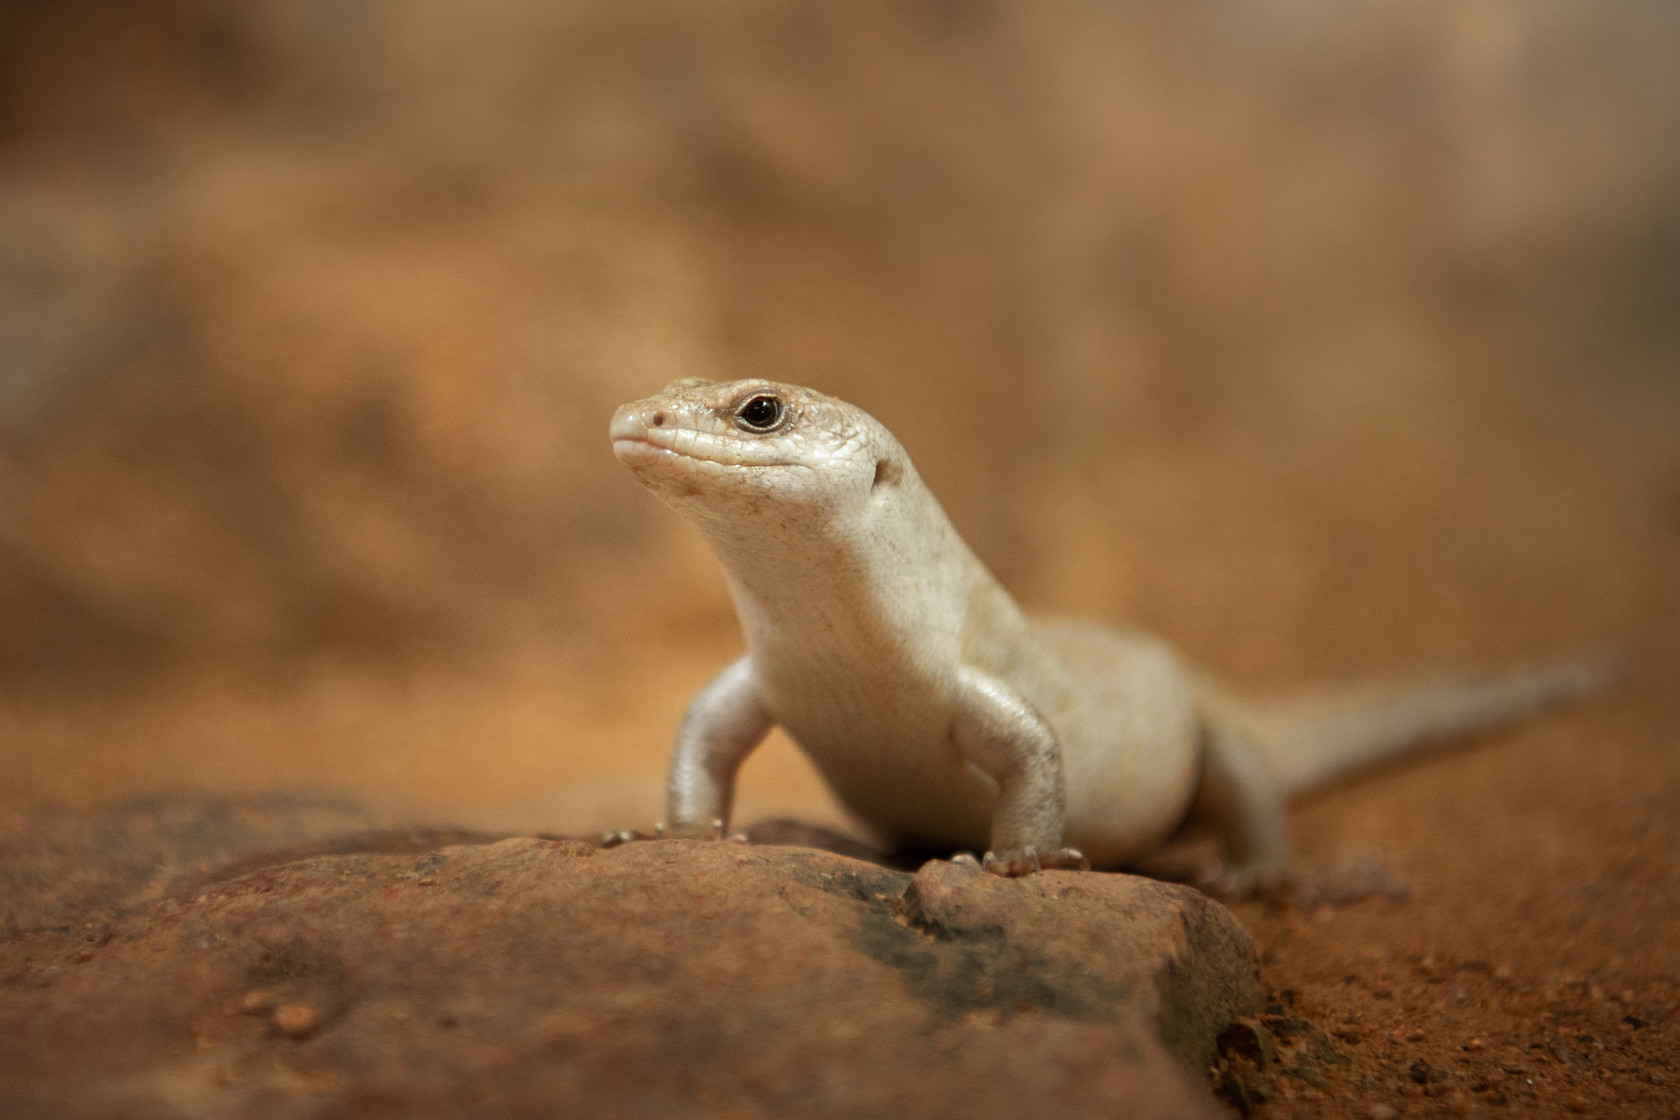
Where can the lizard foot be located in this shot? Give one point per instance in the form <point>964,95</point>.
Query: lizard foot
<point>713,831</point>
<point>1231,883</point>
<point>1016,862</point>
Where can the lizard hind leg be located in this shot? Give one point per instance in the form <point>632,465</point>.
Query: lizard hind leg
<point>1241,800</point>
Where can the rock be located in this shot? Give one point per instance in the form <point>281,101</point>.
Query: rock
<point>59,864</point>
<point>677,978</point>
<point>296,1020</point>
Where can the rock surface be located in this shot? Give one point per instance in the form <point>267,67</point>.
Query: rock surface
<point>59,864</point>
<point>532,977</point>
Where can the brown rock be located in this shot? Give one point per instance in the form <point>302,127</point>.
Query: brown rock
<point>296,1020</point>
<point>61,862</point>
<point>672,979</point>
<point>1124,931</point>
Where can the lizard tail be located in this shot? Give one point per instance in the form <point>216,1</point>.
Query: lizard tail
<point>1314,739</point>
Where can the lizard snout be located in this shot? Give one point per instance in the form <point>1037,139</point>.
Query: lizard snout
<point>632,429</point>
<point>632,421</point>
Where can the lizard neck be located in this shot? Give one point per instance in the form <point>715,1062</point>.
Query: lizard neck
<point>874,576</point>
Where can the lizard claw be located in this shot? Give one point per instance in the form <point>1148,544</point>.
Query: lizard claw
<point>614,838</point>
<point>1012,864</point>
<point>713,831</point>
<point>966,859</point>
<point>1064,859</point>
<point>1016,862</point>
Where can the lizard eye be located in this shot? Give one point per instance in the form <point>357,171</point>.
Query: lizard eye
<point>760,413</point>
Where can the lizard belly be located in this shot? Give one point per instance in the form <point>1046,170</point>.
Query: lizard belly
<point>881,742</point>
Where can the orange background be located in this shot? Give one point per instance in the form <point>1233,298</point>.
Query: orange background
<point>1324,340</point>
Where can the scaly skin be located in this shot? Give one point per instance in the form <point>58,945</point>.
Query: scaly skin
<point>938,712</point>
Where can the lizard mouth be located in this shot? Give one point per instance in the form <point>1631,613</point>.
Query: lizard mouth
<point>636,452</point>
<point>639,452</point>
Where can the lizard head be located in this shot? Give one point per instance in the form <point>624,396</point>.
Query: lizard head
<point>733,449</point>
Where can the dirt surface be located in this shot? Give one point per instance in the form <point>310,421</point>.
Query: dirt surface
<point>1534,967</point>
<point>1325,342</point>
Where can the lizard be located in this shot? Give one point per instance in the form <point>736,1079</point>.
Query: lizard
<point>938,711</point>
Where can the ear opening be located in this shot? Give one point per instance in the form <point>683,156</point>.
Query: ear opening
<point>886,474</point>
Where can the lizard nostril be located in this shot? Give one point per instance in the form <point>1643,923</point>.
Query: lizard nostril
<point>657,420</point>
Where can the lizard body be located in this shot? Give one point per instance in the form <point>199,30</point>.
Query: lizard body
<point>935,708</point>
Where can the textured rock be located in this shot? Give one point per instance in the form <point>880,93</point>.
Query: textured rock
<point>538,977</point>
<point>59,864</point>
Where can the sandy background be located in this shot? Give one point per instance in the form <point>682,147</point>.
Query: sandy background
<point>1324,339</point>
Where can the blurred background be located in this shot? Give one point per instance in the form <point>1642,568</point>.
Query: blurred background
<point>1324,338</point>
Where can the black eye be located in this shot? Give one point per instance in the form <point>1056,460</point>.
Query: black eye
<point>761,413</point>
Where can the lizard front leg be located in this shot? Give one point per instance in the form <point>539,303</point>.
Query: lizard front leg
<point>1000,732</point>
<point>720,729</point>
